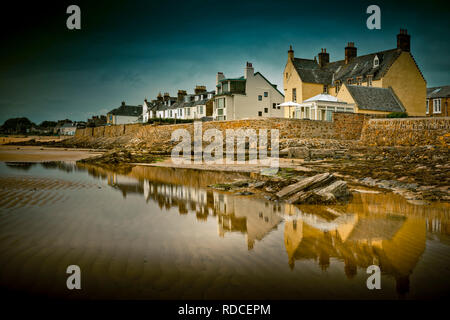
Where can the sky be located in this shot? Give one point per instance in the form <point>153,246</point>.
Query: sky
<point>132,50</point>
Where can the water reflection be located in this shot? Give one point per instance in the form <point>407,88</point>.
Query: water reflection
<point>384,230</point>
<point>380,229</point>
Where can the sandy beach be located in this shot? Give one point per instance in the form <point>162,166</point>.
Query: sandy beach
<point>40,154</point>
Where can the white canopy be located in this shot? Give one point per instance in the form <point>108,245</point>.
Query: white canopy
<point>289,104</point>
<point>322,97</point>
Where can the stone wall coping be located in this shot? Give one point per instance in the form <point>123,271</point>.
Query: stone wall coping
<point>410,119</point>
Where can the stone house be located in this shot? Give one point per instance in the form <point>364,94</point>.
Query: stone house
<point>438,99</point>
<point>394,68</point>
<point>249,96</point>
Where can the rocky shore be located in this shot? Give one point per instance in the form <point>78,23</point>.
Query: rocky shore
<point>415,172</point>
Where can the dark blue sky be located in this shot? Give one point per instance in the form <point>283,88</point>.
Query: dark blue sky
<point>129,50</point>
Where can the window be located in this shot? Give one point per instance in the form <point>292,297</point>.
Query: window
<point>428,106</point>
<point>266,110</point>
<point>259,114</point>
<point>349,81</point>
<point>278,107</point>
<point>259,97</point>
<point>221,103</point>
<point>338,85</point>
<point>201,109</point>
<point>274,105</point>
<point>294,94</point>
<point>369,80</point>
<point>376,62</point>
<point>266,94</point>
<point>436,105</point>
<point>325,89</point>
<point>359,81</point>
<point>287,74</point>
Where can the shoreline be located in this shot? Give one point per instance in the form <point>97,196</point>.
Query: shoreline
<point>12,153</point>
<point>355,172</point>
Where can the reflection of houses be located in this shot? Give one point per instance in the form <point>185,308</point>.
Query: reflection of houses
<point>395,243</point>
<point>125,184</point>
<point>254,218</point>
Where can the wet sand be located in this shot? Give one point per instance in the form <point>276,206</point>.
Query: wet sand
<point>40,154</point>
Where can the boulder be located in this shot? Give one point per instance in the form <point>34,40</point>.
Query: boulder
<point>337,190</point>
<point>298,152</point>
<point>306,183</point>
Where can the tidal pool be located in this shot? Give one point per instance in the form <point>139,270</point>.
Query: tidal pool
<point>159,233</point>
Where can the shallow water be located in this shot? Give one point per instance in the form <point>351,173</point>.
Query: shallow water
<point>161,233</point>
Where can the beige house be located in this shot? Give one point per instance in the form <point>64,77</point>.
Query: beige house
<point>249,96</point>
<point>394,70</point>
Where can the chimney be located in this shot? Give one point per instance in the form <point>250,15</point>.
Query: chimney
<point>403,40</point>
<point>324,57</point>
<point>159,97</point>
<point>123,103</point>
<point>181,94</point>
<point>199,89</point>
<point>290,53</point>
<point>249,71</point>
<point>166,96</point>
<point>219,77</point>
<point>350,52</point>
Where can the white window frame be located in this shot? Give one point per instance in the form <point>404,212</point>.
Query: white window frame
<point>436,104</point>
<point>376,62</point>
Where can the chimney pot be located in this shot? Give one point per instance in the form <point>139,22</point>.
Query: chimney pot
<point>290,53</point>
<point>350,52</point>
<point>324,57</point>
<point>404,40</point>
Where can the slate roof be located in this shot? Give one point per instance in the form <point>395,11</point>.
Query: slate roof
<point>360,66</point>
<point>438,92</point>
<point>376,99</point>
<point>125,110</point>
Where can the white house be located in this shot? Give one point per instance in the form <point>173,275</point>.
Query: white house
<point>321,107</point>
<point>68,129</point>
<point>124,114</point>
<point>249,96</point>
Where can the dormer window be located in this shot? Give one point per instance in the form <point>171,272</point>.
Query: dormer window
<point>369,80</point>
<point>349,81</point>
<point>376,62</point>
<point>325,89</point>
<point>359,81</point>
<point>338,85</point>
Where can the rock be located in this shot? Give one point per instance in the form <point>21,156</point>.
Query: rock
<point>310,182</point>
<point>298,152</point>
<point>337,190</point>
<point>240,184</point>
<point>322,153</point>
<point>258,184</point>
<point>244,193</point>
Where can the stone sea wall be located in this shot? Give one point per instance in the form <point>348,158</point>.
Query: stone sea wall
<point>288,129</point>
<point>406,132</point>
<point>345,126</point>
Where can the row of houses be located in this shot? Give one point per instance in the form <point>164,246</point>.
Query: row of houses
<point>381,82</point>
